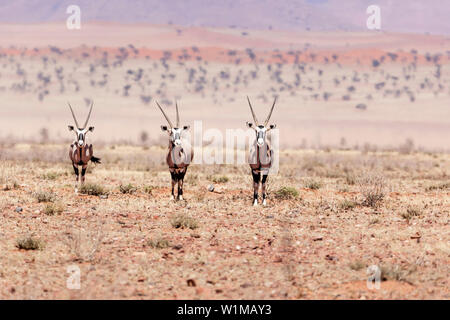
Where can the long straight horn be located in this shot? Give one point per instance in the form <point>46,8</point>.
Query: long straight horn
<point>253,112</point>
<point>178,115</point>
<point>89,115</point>
<point>270,113</point>
<point>165,116</point>
<point>73,115</point>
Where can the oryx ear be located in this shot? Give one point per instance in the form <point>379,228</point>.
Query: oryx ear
<point>164,128</point>
<point>273,126</point>
<point>186,127</point>
<point>91,129</point>
<point>249,124</point>
<point>70,128</point>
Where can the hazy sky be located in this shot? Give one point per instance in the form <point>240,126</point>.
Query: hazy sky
<point>417,16</point>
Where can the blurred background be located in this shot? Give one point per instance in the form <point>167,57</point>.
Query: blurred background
<point>339,85</point>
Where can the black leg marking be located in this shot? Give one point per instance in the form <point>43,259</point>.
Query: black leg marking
<point>256,180</point>
<point>263,182</point>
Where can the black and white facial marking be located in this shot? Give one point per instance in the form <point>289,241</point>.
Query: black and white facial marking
<point>81,131</point>
<point>261,132</point>
<point>261,129</point>
<point>81,134</point>
<point>175,134</point>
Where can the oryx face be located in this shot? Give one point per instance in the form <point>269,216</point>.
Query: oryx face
<point>261,129</point>
<point>81,134</point>
<point>81,131</point>
<point>175,133</point>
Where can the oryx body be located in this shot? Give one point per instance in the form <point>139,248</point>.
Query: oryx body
<point>80,152</point>
<point>261,154</point>
<point>180,153</point>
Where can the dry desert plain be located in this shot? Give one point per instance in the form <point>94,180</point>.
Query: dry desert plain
<point>364,123</point>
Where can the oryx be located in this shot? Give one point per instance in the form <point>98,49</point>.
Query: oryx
<point>261,154</point>
<point>80,152</point>
<point>180,153</point>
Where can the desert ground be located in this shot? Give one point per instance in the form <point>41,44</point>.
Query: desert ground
<point>364,127</point>
<point>330,215</point>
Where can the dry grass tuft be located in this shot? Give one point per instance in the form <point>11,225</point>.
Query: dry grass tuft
<point>411,212</point>
<point>312,184</point>
<point>286,193</point>
<point>183,221</point>
<point>30,243</point>
<point>372,187</point>
<point>127,189</point>
<point>93,189</point>
<point>51,209</point>
<point>45,196</point>
<point>158,243</point>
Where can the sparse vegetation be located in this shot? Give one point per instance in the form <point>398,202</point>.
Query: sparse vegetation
<point>45,196</point>
<point>440,186</point>
<point>347,204</point>
<point>286,193</point>
<point>312,184</point>
<point>148,189</point>
<point>158,243</point>
<point>220,179</point>
<point>93,189</point>
<point>184,221</point>
<point>30,243</point>
<point>411,212</point>
<point>52,209</point>
<point>357,265</point>
<point>127,188</point>
<point>372,187</point>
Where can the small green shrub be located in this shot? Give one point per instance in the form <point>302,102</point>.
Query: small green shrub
<point>312,184</point>
<point>29,243</point>
<point>158,243</point>
<point>127,188</point>
<point>220,179</point>
<point>51,209</point>
<point>51,175</point>
<point>148,189</point>
<point>183,221</point>
<point>286,193</point>
<point>45,196</point>
<point>357,265</point>
<point>347,204</point>
<point>441,186</point>
<point>411,212</point>
<point>92,189</point>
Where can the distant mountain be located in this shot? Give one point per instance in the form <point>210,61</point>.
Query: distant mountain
<point>417,16</point>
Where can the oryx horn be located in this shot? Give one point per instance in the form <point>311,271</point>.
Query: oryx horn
<point>89,115</point>
<point>178,115</point>
<point>253,112</point>
<point>73,115</point>
<point>270,113</point>
<point>165,116</point>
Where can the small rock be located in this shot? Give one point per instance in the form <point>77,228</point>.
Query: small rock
<point>19,209</point>
<point>361,106</point>
<point>211,188</point>
<point>103,196</point>
<point>191,283</point>
<point>177,247</point>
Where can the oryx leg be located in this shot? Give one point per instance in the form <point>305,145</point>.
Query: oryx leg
<point>83,173</point>
<point>256,178</point>
<point>263,182</point>
<point>180,185</point>
<point>174,181</point>
<point>75,168</point>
